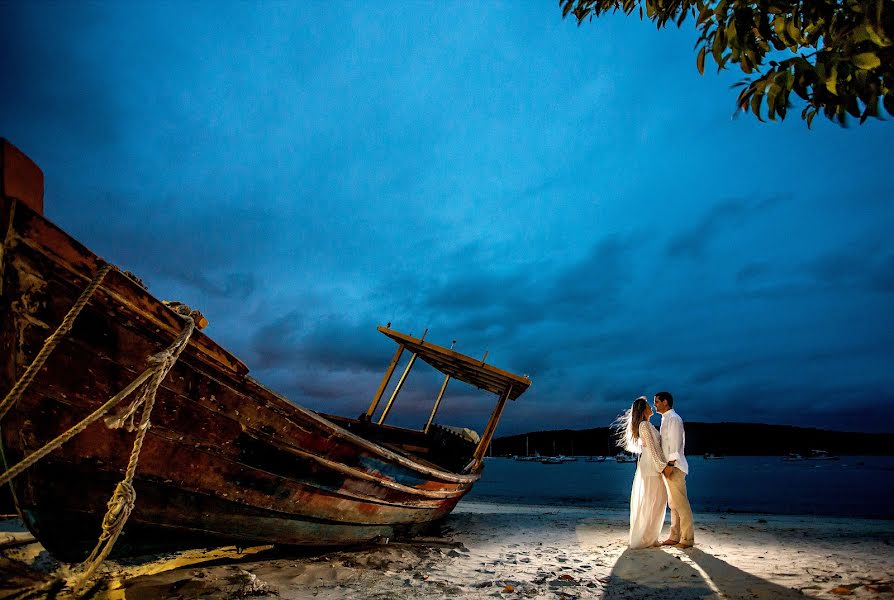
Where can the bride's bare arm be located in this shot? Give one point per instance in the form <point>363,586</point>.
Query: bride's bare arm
<point>651,445</point>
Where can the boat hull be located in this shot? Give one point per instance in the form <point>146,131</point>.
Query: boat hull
<point>224,459</point>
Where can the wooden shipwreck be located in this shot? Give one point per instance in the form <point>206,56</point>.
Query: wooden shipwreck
<point>225,458</point>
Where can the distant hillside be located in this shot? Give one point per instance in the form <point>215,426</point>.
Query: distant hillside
<point>719,438</point>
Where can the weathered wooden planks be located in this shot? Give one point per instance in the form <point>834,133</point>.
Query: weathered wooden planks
<point>225,457</point>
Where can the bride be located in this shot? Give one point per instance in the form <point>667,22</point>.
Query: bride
<point>648,498</point>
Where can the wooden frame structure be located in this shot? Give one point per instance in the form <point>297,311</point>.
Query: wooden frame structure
<point>454,365</point>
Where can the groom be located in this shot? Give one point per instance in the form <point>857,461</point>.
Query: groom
<point>673,441</point>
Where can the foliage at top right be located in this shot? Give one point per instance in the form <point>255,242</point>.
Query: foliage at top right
<point>837,56</point>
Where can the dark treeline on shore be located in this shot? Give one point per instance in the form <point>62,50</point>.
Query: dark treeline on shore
<point>745,439</point>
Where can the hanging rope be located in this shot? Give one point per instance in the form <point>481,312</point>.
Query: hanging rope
<point>122,501</point>
<point>51,342</point>
<point>123,498</point>
<point>91,418</point>
<point>160,364</point>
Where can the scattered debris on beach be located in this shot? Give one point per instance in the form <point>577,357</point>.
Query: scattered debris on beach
<point>511,551</point>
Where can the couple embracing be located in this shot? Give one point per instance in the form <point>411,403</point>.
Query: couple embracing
<point>661,470</point>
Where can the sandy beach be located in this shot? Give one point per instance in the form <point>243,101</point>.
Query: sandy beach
<point>486,550</point>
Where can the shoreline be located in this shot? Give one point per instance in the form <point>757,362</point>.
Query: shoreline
<point>486,549</point>
<point>586,504</point>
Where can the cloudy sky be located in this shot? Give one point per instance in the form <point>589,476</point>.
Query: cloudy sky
<point>576,201</point>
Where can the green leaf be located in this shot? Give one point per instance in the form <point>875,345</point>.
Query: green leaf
<point>700,61</point>
<point>871,109</point>
<point>719,44</point>
<point>832,80</point>
<point>810,119</point>
<point>723,62</point>
<point>744,98</point>
<point>867,60</point>
<point>793,33</point>
<point>771,101</point>
<point>756,106</point>
<point>782,103</point>
<point>732,36</point>
<point>779,28</point>
<point>877,35</point>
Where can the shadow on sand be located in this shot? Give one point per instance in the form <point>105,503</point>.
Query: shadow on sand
<point>654,573</point>
<point>663,573</point>
<point>733,582</point>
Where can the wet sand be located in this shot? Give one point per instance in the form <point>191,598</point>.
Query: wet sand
<point>489,550</point>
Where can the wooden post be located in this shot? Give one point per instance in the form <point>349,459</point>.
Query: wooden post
<point>385,379</point>
<point>400,384</point>
<point>437,403</point>
<point>491,427</point>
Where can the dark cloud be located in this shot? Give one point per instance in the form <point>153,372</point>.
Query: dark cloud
<point>693,241</point>
<point>753,272</point>
<point>836,269</point>
<point>535,293</point>
<point>275,344</point>
<point>725,371</point>
<point>591,288</point>
<point>882,278</point>
<point>862,268</point>
<point>334,343</point>
<point>339,343</point>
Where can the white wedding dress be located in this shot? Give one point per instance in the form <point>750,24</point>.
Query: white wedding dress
<point>648,498</point>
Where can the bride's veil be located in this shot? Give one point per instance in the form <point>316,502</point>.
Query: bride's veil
<point>623,432</point>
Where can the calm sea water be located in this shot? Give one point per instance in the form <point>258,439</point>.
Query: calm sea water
<point>855,486</point>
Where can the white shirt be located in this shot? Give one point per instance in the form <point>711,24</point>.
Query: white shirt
<point>673,439</point>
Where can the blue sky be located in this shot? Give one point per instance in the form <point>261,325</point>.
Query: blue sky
<point>576,201</point>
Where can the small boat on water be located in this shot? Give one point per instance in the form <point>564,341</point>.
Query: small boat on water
<point>792,457</point>
<point>225,458</point>
<point>557,460</point>
<point>625,457</point>
<point>533,458</point>
<point>528,457</point>
<point>597,459</point>
<point>712,456</point>
<point>820,455</point>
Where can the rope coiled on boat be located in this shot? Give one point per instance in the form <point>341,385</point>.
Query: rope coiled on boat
<point>123,498</point>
